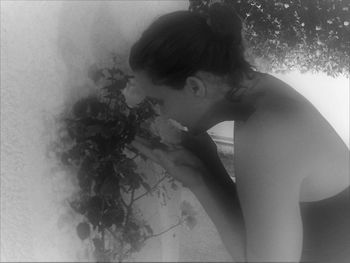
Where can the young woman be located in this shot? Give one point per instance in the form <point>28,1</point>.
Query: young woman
<point>290,199</point>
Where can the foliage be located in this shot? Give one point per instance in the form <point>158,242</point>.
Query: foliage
<point>309,36</point>
<point>99,129</point>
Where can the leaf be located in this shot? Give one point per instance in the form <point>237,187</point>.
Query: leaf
<point>98,243</point>
<point>113,216</point>
<point>75,152</point>
<point>121,84</point>
<point>94,73</point>
<point>78,207</point>
<point>95,203</point>
<point>137,245</point>
<point>88,107</point>
<point>146,186</point>
<point>115,71</point>
<point>105,170</point>
<point>110,187</point>
<point>83,230</point>
<point>93,130</point>
<point>85,182</point>
<point>149,229</point>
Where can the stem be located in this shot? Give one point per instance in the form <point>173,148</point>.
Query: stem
<point>155,186</point>
<point>128,208</point>
<point>132,198</point>
<point>136,155</point>
<point>166,230</point>
<point>150,236</point>
<point>123,202</point>
<point>131,148</point>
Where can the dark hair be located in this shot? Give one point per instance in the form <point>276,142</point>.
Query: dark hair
<point>178,44</point>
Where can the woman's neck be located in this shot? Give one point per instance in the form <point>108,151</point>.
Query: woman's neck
<point>235,110</point>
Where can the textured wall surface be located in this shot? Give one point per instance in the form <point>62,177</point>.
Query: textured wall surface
<point>45,48</point>
<point>32,87</point>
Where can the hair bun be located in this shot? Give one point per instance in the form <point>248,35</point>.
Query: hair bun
<point>224,22</point>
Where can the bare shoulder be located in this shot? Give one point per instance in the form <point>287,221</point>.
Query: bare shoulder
<point>289,134</point>
<point>286,114</point>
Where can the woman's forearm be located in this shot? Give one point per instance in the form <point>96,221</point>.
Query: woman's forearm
<point>219,199</point>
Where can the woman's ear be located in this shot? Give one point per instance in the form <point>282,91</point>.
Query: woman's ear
<point>196,87</point>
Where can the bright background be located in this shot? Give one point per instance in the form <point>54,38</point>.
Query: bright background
<point>329,95</point>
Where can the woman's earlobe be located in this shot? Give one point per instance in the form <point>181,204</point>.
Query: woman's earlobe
<point>196,87</point>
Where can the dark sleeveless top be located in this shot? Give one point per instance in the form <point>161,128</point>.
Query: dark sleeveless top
<point>326,229</point>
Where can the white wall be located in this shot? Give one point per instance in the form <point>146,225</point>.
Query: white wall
<point>46,47</point>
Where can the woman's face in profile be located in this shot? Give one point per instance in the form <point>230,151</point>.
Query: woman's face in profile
<point>173,104</point>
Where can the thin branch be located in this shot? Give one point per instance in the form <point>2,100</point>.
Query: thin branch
<point>128,208</point>
<point>166,230</point>
<point>155,235</point>
<point>152,188</point>
<point>132,198</point>
<point>136,155</point>
<point>134,150</point>
<point>123,202</point>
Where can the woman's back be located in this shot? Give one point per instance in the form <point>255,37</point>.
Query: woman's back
<point>297,129</point>
<point>300,133</point>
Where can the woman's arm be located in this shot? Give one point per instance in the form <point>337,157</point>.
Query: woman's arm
<point>267,194</point>
<point>269,173</point>
<point>222,206</point>
<point>207,178</point>
<point>218,195</point>
<point>270,207</point>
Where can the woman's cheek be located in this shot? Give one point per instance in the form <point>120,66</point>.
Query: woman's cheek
<point>178,115</point>
<point>166,112</point>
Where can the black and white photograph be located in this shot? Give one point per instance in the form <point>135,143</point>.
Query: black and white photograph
<point>175,131</point>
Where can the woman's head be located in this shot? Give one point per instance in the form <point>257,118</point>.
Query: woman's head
<point>183,57</point>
